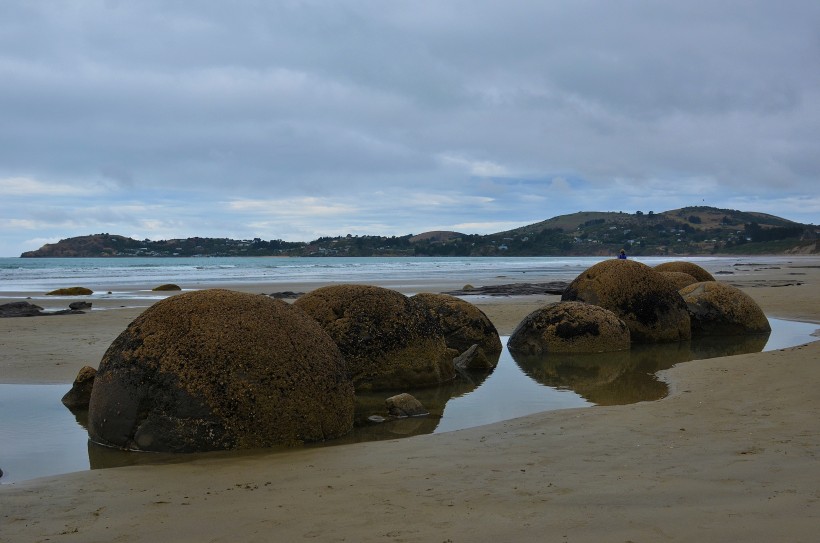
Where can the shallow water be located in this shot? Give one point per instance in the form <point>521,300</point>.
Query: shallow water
<point>40,437</point>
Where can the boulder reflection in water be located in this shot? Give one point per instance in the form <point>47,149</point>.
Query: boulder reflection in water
<point>629,376</point>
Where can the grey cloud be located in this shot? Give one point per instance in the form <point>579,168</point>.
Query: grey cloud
<point>310,98</point>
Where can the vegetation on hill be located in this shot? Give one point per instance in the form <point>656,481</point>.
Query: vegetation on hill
<point>686,231</point>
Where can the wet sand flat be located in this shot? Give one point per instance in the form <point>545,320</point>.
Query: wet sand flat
<point>730,455</point>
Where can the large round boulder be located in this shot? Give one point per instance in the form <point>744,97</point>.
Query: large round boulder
<point>719,309</point>
<point>388,341</point>
<point>463,325</point>
<point>217,369</point>
<point>569,327</point>
<point>679,279</point>
<point>686,267</point>
<point>640,296</point>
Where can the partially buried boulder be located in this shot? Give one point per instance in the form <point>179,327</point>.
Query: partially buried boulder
<point>80,394</point>
<point>167,287</point>
<point>718,309</point>
<point>217,369</point>
<point>686,267</point>
<point>649,304</point>
<point>569,327</point>
<point>388,341</point>
<point>463,325</point>
<point>71,291</point>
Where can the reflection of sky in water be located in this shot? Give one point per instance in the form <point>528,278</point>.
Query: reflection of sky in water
<point>508,393</point>
<point>40,437</point>
<point>789,333</point>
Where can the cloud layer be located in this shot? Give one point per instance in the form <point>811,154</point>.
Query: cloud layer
<point>296,119</point>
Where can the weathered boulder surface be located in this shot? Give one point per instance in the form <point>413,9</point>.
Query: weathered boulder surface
<point>679,279</point>
<point>640,296</point>
<point>718,309</point>
<point>463,325</point>
<point>216,369</point>
<point>79,305</point>
<point>80,394</point>
<point>686,267</point>
<point>569,327</point>
<point>388,341</point>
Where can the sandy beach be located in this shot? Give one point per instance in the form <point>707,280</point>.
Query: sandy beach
<point>730,455</point>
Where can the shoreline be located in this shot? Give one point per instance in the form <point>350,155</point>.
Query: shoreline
<point>725,456</point>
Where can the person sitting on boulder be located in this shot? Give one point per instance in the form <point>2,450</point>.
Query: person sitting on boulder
<point>622,255</point>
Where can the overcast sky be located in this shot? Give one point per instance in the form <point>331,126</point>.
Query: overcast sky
<point>297,119</point>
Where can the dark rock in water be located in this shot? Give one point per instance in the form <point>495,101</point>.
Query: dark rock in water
<point>20,309</point>
<point>718,309</point>
<point>80,393</point>
<point>26,309</point>
<point>569,327</point>
<point>216,369</point>
<point>467,359</point>
<point>388,341</point>
<point>463,325</point>
<point>640,296</point>
<point>404,405</point>
<point>79,305</point>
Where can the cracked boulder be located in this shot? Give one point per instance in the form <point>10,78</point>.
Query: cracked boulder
<point>464,325</point>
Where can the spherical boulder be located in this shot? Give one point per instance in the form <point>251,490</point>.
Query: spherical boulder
<point>463,325</point>
<point>719,309</point>
<point>569,327</point>
<point>679,279</point>
<point>217,369</point>
<point>640,296</point>
<point>388,341</point>
<point>686,267</point>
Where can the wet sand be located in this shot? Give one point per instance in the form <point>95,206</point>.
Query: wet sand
<point>730,455</point>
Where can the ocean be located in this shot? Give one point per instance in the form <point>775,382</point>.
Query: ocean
<point>39,275</point>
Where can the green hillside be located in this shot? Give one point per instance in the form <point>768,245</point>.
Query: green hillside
<point>686,231</point>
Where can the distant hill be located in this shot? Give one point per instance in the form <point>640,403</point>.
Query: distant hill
<point>685,231</point>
